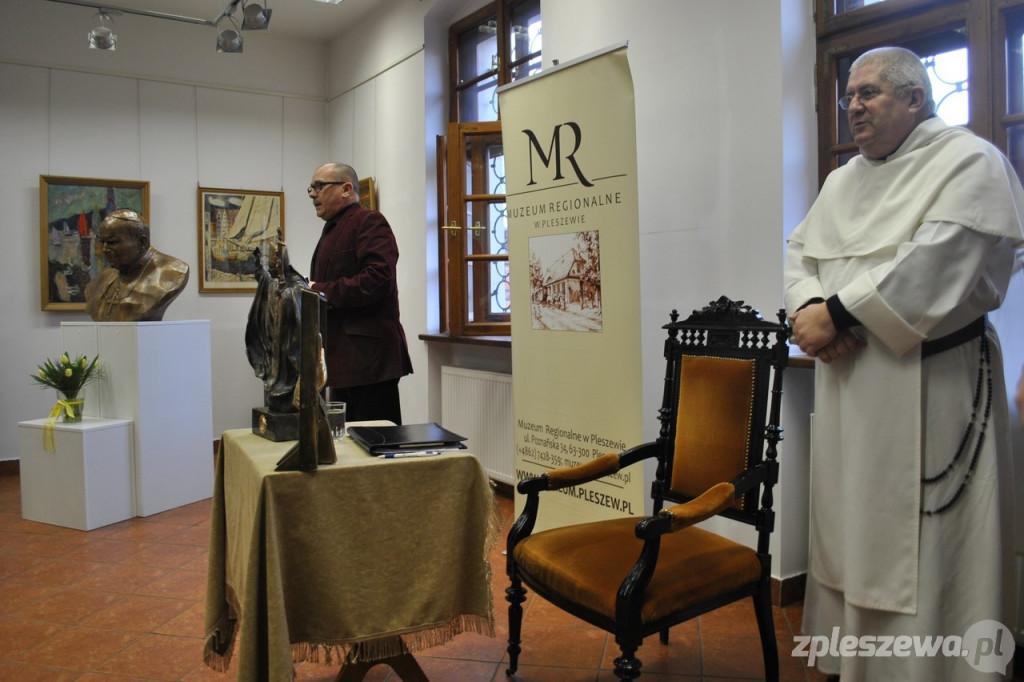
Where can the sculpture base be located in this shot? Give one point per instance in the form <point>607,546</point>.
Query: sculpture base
<point>275,426</point>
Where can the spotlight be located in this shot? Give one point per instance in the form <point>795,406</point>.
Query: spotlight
<point>229,39</point>
<point>102,37</point>
<point>255,17</point>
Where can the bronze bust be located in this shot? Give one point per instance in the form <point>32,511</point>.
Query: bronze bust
<point>141,282</point>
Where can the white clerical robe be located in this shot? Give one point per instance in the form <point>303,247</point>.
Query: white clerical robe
<point>884,418</point>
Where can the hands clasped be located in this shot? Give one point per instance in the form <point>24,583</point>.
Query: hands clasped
<point>816,335</point>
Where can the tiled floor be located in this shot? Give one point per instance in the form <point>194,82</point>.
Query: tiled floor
<point>125,602</point>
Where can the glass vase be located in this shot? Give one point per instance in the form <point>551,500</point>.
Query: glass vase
<point>71,409</point>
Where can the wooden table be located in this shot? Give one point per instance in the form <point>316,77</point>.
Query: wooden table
<point>363,561</point>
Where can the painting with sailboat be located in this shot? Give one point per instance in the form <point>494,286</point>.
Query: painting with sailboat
<point>233,224</point>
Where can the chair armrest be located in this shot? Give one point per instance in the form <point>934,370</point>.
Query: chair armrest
<point>711,502</point>
<point>596,468</point>
<point>755,476</point>
<point>566,477</point>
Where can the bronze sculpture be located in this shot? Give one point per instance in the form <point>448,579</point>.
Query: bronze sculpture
<point>272,340</point>
<point>141,282</point>
<point>282,343</point>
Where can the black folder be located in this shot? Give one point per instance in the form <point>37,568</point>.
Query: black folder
<point>380,440</point>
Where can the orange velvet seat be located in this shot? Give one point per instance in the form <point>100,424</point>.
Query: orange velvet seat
<point>693,566</point>
<point>715,456</point>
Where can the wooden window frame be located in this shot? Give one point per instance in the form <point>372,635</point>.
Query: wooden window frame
<point>454,260</point>
<point>984,25</point>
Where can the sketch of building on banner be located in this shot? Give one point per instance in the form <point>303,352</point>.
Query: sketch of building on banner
<point>565,282</point>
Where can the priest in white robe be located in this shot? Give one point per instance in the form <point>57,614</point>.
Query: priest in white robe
<point>888,280</point>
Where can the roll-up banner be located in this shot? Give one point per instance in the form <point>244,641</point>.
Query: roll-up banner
<point>569,138</point>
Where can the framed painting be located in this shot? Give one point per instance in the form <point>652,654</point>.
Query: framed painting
<point>233,224</point>
<point>70,213</point>
<point>368,194</point>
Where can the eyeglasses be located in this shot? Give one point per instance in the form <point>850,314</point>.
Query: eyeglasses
<point>318,185</point>
<point>866,94</point>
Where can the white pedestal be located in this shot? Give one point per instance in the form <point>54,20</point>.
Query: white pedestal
<point>158,376</point>
<point>86,482</point>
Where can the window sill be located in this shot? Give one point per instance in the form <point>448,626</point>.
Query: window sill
<point>444,337</point>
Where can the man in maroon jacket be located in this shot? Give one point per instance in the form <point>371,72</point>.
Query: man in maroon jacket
<point>354,267</point>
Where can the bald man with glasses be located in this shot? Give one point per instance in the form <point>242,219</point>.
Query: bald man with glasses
<point>354,267</point>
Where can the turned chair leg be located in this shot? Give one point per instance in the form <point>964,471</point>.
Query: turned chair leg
<point>627,666</point>
<point>515,595</point>
<point>766,627</point>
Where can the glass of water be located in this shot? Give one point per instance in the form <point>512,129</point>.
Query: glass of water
<point>336,418</point>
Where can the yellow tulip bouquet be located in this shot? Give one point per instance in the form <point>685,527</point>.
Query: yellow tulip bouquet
<point>69,377</point>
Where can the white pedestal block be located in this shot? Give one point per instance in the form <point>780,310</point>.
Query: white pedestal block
<point>158,374</point>
<point>86,482</point>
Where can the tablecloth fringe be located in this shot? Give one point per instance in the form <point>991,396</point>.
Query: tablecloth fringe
<point>220,643</point>
<point>219,646</point>
<point>215,661</point>
<point>336,653</point>
<point>495,522</point>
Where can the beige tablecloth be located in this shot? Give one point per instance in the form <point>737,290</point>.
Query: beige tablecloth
<point>383,553</point>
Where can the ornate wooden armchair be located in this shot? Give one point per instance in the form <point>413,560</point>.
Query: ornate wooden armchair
<point>716,455</point>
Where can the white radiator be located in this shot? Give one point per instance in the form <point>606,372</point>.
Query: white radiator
<point>478,405</point>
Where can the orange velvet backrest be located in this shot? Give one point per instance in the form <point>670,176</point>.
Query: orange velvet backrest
<point>712,422</point>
